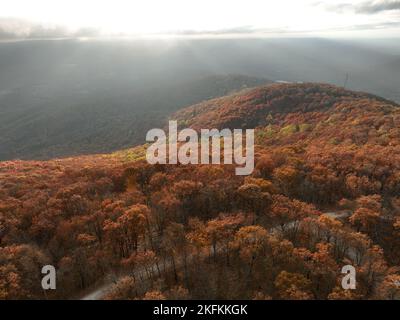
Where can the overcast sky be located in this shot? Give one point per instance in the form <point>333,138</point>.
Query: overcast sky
<point>216,17</point>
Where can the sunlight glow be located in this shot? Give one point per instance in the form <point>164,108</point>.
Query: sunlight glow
<point>160,16</point>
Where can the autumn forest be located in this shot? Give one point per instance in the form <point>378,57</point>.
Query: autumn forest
<point>325,193</point>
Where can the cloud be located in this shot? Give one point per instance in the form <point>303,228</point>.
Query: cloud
<point>11,28</point>
<point>229,31</point>
<point>366,7</point>
<point>249,31</point>
<point>376,7</point>
<point>15,29</point>
<point>237,30</point>
<point>369,26</point>
<point>18,29</point>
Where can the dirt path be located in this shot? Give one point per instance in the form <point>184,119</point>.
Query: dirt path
<point>100,292</point>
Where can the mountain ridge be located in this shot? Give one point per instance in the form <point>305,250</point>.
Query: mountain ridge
<point>248,108</point>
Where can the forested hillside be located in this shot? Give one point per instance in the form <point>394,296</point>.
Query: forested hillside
<point>324,194</point>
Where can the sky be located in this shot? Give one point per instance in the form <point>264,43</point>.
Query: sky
<point>203,17</point>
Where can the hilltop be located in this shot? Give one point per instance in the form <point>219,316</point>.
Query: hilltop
<point>256,107</point>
